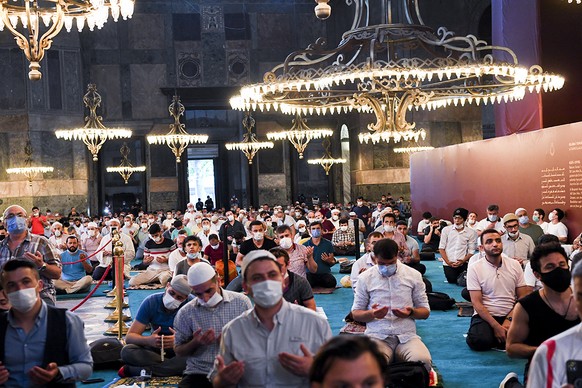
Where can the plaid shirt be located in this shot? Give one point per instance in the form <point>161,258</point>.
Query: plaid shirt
<point>33,243</point>
<point>339,236</point>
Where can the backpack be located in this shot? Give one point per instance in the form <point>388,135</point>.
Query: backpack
<point>106,353</point>
<point>440,301</point>
<point>410,374</point>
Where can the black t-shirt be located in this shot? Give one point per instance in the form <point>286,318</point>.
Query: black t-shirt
<point>249,245</point>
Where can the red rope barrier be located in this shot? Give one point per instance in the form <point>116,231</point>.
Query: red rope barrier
<point>90,256</point>
<point>93,290</point>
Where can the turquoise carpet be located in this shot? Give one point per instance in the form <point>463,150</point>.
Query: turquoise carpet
<point>442,332</point>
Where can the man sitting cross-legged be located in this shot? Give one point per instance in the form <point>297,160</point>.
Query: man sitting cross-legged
<point>74,277</point>
<point>159,311</point>
<point>156,255</point>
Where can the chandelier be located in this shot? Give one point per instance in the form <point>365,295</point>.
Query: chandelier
<point>29,169</point>
<point>34,23</point>
<point>390,68</point>
<point>249,145</point>
<point>326,161</point>
<point>300,134</point>
<point>177,139</point>
<point>94,133</point>
<point>125,169</point>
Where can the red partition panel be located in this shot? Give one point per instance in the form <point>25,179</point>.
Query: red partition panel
<point>534,169</point>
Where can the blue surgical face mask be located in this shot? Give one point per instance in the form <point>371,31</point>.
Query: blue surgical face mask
<point>16,225</point>
<point>387,270</point>
<point>523,220</point>
<point>316,233</point>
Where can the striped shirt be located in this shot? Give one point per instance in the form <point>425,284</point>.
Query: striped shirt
<point>156,250</point>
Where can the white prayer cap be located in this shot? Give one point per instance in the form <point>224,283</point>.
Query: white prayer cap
<point>91,225</point>
<point>180,284</point>
<point>200,273</point>
<point>519,209</point>
<point>333,211</point>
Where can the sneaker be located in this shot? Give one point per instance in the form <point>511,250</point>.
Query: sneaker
<point>510,378</point>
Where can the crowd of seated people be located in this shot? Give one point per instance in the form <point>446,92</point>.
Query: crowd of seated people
<point>291,250</point>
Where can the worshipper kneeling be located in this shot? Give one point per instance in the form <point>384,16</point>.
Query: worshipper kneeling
<point>30,356</point>
<point>145,352</point>
<point>390,296</point>
<point>74,277</point>
<point>199,323</point>
<point>156,256</point>
<point>273,343</point>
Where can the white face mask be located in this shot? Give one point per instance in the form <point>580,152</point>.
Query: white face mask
<point>301,230</point>
<point>552,216</point>
<point>344,228</point>
<point>193,256</point>
<point>459,226</point>
<point>258,236</point>
<point>169,302</point>
<point>127,224</point>
<point>156,239</point>
<point>23,300</point>
<point>230,218</point>
<point>334,217</point>
<point>198,221</point>
<point>205,228</point>
<point>286,242</point>
<point>513,235</point>
<point>493,217</point>
<point>215,246</point>
<point>212,302</point>
<point>267,293</point>
<point>91,233</point>
<point>58,233</point>
<point>389,228</point>
<point>471,222</point>
<point>144,225</point>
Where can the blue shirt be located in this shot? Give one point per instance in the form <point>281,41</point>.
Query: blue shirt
<point>152,311</point>
<point>27,349</point>
<point>72,272</point>
<point>325,246</point>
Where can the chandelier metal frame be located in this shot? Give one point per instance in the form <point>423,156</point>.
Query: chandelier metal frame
<point>94,134</point>
<point>42,20</point>
<point>29,169</point>
<point>125,169</point>
<point>327,161</point>
<point>300,134</point>
<point>390,68</point>
<point>177,139</point>
<point>249,145</point>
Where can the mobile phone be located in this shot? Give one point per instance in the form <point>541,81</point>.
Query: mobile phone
<point>93,381</point>
<point>574,373</point>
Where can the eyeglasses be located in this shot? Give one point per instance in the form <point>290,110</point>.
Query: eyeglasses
<point>512,227</point>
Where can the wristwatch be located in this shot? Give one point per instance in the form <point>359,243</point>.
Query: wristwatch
<point>42,268</point>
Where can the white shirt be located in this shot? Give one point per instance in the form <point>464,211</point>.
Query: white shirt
<point>204,238</point>
<point>484,224</point>
<point>411,243</point>
<point>422,226</point>
<point>522,247</point>
<point>544,226</point>
<point>558,230</point>
<point>548,366</point>
<point>403,289</point>
<point>174,258</point>
<point>530,278</point>
<point>129,250</point>
<point>363,262</point>
<point>497,284</point>
<point>457,244</point>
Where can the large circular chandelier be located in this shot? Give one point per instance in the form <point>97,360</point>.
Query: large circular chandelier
<point>389,69</point>
<point>300,134</point>
<point>177,139</point>
<point>249,145</point>
<point>34,23</point>
<point>94,133</point>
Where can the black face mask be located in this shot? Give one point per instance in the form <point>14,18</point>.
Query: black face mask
<point>557,279</point>
<point>2,237</point>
